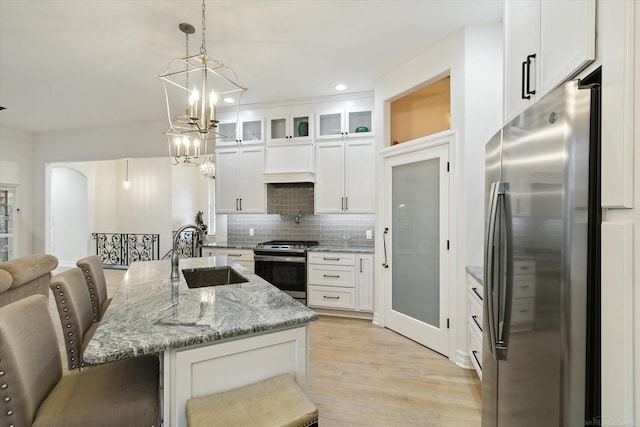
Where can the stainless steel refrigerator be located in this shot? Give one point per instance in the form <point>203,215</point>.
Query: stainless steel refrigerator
<point>540,355</point>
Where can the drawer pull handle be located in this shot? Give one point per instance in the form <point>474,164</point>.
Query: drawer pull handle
<point>475,319</point>
<point>331,259</point>
<point>475,356</point>
<point>475,291</point>
<point>332,276</point>
<point>324,296</point>
<point>234,255</point>
<point>524,311</point>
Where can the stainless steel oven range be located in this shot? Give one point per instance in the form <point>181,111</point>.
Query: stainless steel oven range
<point>283,263</point>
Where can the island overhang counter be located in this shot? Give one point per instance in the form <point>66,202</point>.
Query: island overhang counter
<point>209,339</point>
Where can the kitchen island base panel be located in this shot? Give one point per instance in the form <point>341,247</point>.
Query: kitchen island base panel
<point>344,313</point>
<point>206,369</point>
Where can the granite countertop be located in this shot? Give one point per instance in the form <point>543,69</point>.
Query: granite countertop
<point>149,313</point>
<point>226,245</point>
<point>477,273</point>
<point>338,248</point>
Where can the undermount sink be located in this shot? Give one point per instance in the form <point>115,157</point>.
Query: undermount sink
<point>212,276</point>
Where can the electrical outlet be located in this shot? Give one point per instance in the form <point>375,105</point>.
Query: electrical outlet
<point>369,234</point>
<point>251,232</point>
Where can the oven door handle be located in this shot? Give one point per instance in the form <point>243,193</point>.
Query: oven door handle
<point>267,258</point>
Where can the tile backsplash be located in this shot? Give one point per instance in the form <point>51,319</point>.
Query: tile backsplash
<point>290,217</point>
<point>290,199</point>
<point>326,229</point>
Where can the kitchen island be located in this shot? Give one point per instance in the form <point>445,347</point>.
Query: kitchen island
<point>209,339</point>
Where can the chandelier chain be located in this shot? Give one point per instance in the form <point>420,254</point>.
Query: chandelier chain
<point>203,48</point>
<point>187,94</point>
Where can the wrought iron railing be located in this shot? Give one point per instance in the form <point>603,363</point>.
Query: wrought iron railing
<point>187,245</point>
<point>121,249</point>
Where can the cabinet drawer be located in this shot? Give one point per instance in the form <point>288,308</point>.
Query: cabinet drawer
<point>474,342</point>
<point>322,296</point>
<point>522,311</point>
<point>524,286</point>
<point>331,258</point>
<point>524,267</point>
<point>475,289</point>
<point>475,314</point>
<point>332,276</point>
<point>208,252</point>
<point>236,254</point>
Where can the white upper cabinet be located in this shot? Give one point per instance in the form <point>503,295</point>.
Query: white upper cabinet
<point>546,43</point>
<point>248,130</point>
<point>345,177</point>
<point>289,125</point>
<point>239,183</point>
<point>338,122</point>
<point>619,53</point>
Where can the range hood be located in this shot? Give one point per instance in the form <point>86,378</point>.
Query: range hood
<point>288,177</point>
<point>289,163</point>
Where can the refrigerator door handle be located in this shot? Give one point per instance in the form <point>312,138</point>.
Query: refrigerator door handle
<point>489,264</point>
<point>505,291</point>
<point>497,270</point>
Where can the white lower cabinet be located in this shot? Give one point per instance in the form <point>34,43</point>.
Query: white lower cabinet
<point>244,257</point>
<point>340,280</point>
<point>474,323</point>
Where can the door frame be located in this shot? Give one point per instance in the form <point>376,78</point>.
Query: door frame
<point>383,275</point>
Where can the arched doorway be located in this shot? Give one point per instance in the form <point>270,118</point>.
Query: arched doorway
<point>69,216</point>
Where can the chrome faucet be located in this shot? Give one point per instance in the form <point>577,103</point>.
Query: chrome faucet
<point>175,257</point>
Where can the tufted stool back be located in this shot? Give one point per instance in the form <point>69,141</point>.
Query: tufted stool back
<point>76,317</point>
<point>94,277</point>
<point>29,359</point>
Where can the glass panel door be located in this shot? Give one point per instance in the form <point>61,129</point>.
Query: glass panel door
<point>416,240</point>
<point>416,218</point>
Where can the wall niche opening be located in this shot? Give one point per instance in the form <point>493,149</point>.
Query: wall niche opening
<point>422,112</point>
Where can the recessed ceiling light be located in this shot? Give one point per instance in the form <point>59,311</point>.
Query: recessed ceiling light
<point>341,86</point>
<point>229,100</point>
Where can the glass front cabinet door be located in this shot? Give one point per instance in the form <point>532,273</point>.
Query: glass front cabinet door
<point>289,126</point>
<point>248,130</point>
<point>342,124</point>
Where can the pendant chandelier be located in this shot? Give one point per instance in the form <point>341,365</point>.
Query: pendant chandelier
<point>208,168</point>
<point>193,86</point>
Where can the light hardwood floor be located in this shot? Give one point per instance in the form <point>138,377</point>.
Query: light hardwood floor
<point>364,375</point>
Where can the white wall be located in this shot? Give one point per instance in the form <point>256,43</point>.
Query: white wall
<point>140,140</point>
<point>160,199</point>
<point>473,58</point>
<point>16,148</point>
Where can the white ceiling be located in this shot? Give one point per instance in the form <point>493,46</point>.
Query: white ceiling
<point>85,63</point>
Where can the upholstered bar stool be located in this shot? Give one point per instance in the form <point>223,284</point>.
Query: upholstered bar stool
<point>34,393</point>
<point>96,282</point>
<point>25,276</point>
<point>76,316</point>
<point>277,401</point>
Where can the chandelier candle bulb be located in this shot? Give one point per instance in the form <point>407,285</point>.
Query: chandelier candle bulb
<point>193,102</point>
<point>212,107</point>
